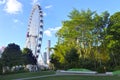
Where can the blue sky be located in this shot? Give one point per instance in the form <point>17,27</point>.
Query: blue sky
<point>14,17</point>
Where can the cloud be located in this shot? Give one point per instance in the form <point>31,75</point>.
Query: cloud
<point>15,20</point>
<point>2,2</point>
<point>44,14</point>
<point>50,31</point>
<point>34,1</point>
<point>13,7</point>
<point>49,6</point>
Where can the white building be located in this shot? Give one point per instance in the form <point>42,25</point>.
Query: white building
<point>1,51</point>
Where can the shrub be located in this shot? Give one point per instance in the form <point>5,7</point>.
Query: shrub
<point>0,71</point>
<point>101,69</point>
<point>117,68</point>
<point>20,70</point>
<point>109,69</point>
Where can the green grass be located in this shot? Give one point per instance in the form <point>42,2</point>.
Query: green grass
<point>77,69</point>
<point>24,75</point>
<point>116,72</point>
<point>78,77</point>
<point>61,77</point>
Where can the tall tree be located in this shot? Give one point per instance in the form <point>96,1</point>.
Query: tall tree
<point>12,55</point>
<point>113,38</point>
<point>78,29</point>
<point>72,58</point>
<point>28,56</point>
<point>85,30</point>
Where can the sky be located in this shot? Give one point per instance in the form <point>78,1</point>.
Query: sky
<point>14,17</point>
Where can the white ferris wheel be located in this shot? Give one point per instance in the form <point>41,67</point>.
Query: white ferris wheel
<point>35,30</point>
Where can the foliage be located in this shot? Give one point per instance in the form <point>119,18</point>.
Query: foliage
<point>55,61</point>
<point>28,57</point>
<point>12,55</point>
<point>101,69</point>
<point>65,56</point>
<point>0,66</point>
<point>72,58</point>
<point>113,39</point>
<point>81,40</point>
<point>21,70</point>
<point>117,68</point>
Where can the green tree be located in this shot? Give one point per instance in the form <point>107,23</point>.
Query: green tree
<point>78,30</point>
<point>55,61</point>
<point>12,55</point>
<point>60,54</point>
<point>28,57</point>
<point>0,66</point>
<point>85,31</point>
<point>113,39</point>
<point>72,58</point>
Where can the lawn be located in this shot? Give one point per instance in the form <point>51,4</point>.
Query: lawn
<point>24,75</point>
<point>77,69</point>
<point>78,77</point>
<point>58,77</point>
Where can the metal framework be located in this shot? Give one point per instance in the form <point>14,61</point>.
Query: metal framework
<point>35,31</point>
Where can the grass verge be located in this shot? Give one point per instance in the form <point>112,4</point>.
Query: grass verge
<point>116,72</point>
<point>78,77</point>
<point>25,75</point>
<point>76,69</point>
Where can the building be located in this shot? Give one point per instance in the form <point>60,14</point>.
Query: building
<point>1,51</point>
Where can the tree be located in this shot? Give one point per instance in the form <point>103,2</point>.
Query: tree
<point>113,39</point>
<point>55,61</point>
<point>78,30</point>
<point>85,31</point>
<point>12,55</point>
<point>29,58</point>
<point>72,58</point>
<point>60,57</point>
<point>0,66</point>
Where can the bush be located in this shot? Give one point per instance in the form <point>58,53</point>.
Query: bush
<point>109,69</point>
<point>117,68</point>
<point>101,69</point>
<point>0,69</point>
<point>20,70</point>
<point>0,66</point>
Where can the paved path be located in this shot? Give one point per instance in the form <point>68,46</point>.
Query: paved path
<point>83,73</point>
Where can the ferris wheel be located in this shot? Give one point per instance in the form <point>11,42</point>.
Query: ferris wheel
<point>35,30</point>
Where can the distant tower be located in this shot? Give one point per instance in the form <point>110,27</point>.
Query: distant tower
<point>45,57</point>
<point>48,52</point>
